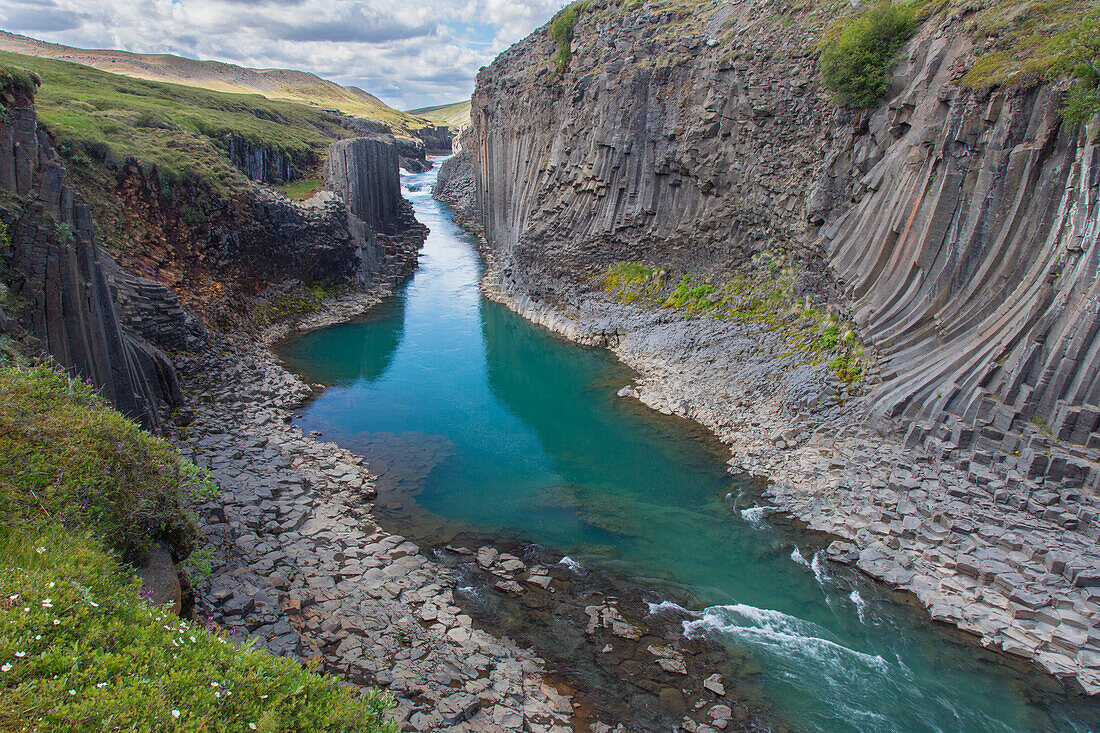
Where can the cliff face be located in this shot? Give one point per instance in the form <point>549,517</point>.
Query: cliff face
<point>205,253</point>
<point>71,291</point>
<point>956,225</point>
<point>363,173</point>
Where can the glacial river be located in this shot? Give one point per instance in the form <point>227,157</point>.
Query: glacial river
<point>492,425</point>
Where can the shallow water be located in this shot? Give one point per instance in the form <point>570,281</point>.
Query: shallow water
<point>485,423</point>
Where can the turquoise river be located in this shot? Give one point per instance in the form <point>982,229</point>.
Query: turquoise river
<point>495,426</point>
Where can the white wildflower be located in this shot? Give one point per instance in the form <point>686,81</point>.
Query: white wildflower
<point>20,654</point>
<point>175,713</point>
<point>6,667</point>
<point>40,550</point>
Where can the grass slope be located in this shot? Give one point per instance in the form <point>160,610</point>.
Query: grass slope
<point>284,84</point>
<point>81,487</point>
<point>455,115</point>
<point>183,130</point>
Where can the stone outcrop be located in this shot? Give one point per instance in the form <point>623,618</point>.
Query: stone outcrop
<point>954,226</point>
<point>363,173</point>
<point>413,151</point>
<point>264,164</point>
<point>953,223</point>
<point>69,289</point>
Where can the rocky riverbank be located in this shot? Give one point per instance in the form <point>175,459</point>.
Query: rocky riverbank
<point>300,564</point>
<point>1007,570</point>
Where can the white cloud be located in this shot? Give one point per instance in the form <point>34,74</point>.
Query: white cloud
<point>408,53</point>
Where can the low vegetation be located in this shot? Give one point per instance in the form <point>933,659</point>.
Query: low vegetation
<point>1026,41</point>
<point>98,118</point>
<point>1080,59</point>
<point>561,33</point>
<point>858,53</point>
<point>82,489</point>
<point>762,293</point>
<point>455,116</point>
<point>301,189</point>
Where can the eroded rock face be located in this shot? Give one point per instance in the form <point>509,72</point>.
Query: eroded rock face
<point>363,172</point>
<point>70,287</point>
<point>953,223</point>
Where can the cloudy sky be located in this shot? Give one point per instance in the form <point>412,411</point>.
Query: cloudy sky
<point>411,53</point>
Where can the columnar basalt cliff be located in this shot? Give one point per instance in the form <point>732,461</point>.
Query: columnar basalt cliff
<point>70,289</point>
<point>206,255</point>
<point>953,226</point>
<point>363,172</point>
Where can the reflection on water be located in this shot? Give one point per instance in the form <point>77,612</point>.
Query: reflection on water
<point>478,422</point>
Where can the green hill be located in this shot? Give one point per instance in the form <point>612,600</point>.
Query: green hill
<point>284,84</point>
<point>455,115</point>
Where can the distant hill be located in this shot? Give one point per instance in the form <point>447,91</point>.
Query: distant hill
<point>295,86</point>
<point>455,115</point>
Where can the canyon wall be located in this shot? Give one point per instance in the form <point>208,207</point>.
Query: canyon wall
<point>954,226</point>
<point>363,173</point>
<point>183,255</point>
<point>67,287</point>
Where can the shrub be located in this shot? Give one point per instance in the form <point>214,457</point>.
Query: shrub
<point>561,32</point>
<point>859,53</point>
<point>1079,56</point>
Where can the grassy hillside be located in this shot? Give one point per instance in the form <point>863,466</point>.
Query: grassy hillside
<point>81,488</point>
<point>284,84</point>
<point>455,115</point>
<point>99,117</point>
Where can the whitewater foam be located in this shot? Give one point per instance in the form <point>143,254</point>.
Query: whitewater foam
<point>755,515</point>
<point>819,568</point>
<point>669,607</point>
<point>796,555</point>
<point>777,632</point>
<point>570,563</point>
<point>861,604</point>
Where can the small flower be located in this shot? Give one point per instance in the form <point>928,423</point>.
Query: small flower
<point>56,622</point>
<point>20,654</point>
<point>40,550</point>
<point>93,604</point>
<point>175,713</point>
<point>101,685</point>
<point>72,692</point>
<point>48,603</point>
<point>50,584</point>
<point>252,726</point>
<point>38,637</point>
<point>6,667</point>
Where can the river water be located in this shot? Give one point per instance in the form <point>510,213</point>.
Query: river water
<point>487,424</point>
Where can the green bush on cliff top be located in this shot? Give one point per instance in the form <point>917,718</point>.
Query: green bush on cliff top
<point>561,32</point>
<point>859,53</point>
<point>1080,58</point>
<point>79,648</point>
